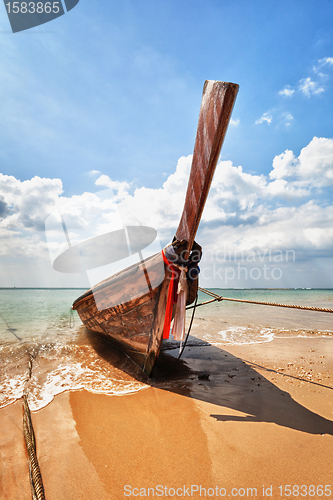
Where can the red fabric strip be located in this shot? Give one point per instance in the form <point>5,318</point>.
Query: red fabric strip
<point>172,296</point>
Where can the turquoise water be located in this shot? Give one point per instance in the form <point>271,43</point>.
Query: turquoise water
<point>32,313</point>
<point>241,323</point>
<point>39,324</point>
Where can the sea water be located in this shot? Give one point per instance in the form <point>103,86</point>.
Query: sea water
<point>39,325</point>
<point>228,322</point>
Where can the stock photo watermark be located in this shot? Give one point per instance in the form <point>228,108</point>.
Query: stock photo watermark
<point>264,491</point>
<point>108,239</point>
<point>103,242</point>
<point>228,266</point>
<point>26,15</point>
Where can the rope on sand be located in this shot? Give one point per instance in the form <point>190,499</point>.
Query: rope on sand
<point>37,488</point>
<point>220,298</point>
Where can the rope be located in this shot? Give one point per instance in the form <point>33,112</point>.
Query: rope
<point>184,344</point>
<point>189,328</point>
<point>292,306</point>
<point>202,304</point>
<point>37,488</point>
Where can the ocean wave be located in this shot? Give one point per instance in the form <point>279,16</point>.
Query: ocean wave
<point>60,366</point>
<point>243,335</point>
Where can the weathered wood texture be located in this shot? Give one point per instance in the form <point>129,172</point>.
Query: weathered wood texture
<point>216,107</point>
<point>133,324</point>
<point>129,308</point>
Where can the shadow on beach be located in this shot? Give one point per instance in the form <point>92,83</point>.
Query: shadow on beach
<point>215,376</point>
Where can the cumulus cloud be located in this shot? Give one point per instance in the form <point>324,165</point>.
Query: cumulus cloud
<point>313,168</point>
<point>288,227</point>
<point>121,188</point>
<point>234,123</point>
<point>246,212</point>
<point>158,208</point>
<point>25,205</point>
<point>325,61</point>
<point>287,91</point>
<point>284,119</point>
<point>308,87</point>
<point>266,117</point>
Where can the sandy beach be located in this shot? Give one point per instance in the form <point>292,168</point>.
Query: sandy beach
<point>240,421</point>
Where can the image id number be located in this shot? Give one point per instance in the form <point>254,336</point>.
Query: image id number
<point>305,491</point>
<point>32,7</point>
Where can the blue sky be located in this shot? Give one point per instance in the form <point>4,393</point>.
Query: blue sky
<point>108,95</point>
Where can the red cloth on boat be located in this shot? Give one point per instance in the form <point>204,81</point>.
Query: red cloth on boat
<point>172,296</point>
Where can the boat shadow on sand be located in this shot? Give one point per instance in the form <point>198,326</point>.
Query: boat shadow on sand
<point>213,375</point>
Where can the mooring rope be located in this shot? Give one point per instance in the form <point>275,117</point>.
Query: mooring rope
<point>189,328</point>
<point>182,347</point>
<point>37,488</point>
<point>202,304</point>
<point>36,482</point>
<point>292,306</point>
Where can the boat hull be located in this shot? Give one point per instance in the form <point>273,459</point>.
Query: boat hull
<point>129,308</point>
<point>136,325</point>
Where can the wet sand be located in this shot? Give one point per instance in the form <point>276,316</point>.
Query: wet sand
<point>241,417</point>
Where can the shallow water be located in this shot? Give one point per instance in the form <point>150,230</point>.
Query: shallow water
<point>241,323</point>
<point>38,324</point>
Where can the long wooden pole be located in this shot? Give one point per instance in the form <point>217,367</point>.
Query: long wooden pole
<point>215,112</point>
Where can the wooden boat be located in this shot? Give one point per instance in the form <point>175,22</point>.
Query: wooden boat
<point>135,325</point>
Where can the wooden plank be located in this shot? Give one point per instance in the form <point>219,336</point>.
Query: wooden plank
<point>215,112</point>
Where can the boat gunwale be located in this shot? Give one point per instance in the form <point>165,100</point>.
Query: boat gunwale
<point>128,271</point>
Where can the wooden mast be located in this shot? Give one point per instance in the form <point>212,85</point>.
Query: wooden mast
<point>217,102</point>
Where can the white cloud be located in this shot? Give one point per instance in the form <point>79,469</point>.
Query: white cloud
<point>266,117</point>
<point>234,123</point>
<point>286,119</point>
<point>287,91</point>
<point>159,208</point>
<point>305,229</point>
<point>244,211</point>
<point>325,61</point>
<point>312,169</point>
<point>283,165</point>
<point>25,204</point>
<point>121,188</point>
<point>309,87</point>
